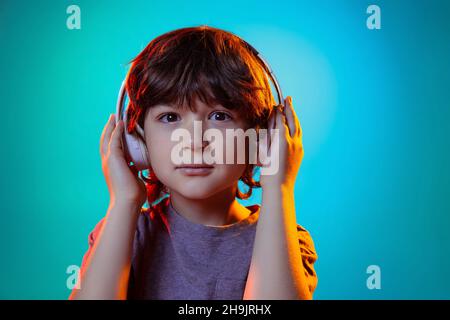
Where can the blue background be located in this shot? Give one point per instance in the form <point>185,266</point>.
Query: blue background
<point>373,104</point>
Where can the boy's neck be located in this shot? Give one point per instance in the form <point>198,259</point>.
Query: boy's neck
<point>220,209</point>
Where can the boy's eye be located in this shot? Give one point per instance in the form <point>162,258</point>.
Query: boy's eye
<point>171,117</point>
<point>220,116</point>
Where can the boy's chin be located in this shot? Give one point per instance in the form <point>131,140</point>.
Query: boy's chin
<point>194,190</point>
<point>195,195</point>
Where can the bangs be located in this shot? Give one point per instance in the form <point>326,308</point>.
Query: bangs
<point>199,62</point>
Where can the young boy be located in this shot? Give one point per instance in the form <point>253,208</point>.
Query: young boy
<point>196,241</point>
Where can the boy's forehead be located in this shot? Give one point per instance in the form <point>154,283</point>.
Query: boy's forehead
<point>197,105</point>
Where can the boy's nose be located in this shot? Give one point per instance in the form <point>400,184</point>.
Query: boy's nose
<point>196,131</point>
<point>200,145</point>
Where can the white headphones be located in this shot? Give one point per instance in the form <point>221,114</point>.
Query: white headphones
<point>133,143</point>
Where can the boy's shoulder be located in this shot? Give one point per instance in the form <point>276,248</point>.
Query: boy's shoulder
<point>147,216</point>
<point>306,244</point>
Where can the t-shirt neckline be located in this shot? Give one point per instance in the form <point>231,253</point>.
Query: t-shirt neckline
<point>179,223</point>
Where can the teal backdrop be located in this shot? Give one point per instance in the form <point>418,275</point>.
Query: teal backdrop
<point>373,188</point>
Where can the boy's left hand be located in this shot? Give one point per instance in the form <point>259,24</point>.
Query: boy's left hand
<point>290,144</point>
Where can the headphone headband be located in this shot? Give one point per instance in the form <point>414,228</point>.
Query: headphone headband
<point>267,69</point>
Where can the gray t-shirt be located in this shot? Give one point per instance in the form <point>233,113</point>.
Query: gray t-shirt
<point>175,258</point>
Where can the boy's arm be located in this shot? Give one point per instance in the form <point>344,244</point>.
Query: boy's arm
<point>105,273</point>
<point>276,269</point>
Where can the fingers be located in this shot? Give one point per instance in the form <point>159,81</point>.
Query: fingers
<point>289,112</point>
<point>281,122</point>
<point>291,118</point>
<point>298,127</point>
<point>115,144</point>
<point>272,119</point>
<point>271,125</point>
<point>106,135</point>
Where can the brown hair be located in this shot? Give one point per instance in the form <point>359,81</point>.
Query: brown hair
<point>205,62</point>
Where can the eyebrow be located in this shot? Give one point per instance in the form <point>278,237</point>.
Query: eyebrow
<point>162,106</point>
<point>158,107</point>
<point>172,106</point>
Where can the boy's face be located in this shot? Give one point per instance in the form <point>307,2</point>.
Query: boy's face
<point>163,120</point>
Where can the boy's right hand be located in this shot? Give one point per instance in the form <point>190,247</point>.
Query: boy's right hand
<point>124,185</point>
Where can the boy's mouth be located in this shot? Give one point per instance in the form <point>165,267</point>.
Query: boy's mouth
<point>195,166</point>
<point>195,169</point>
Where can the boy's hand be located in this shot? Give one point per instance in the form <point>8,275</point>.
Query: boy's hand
<point>124,185</point>
<point>290,144</point>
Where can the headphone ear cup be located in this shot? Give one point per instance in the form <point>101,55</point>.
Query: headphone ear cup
<point>137,151</point>
<point>135,146</point>
<point>144,153</point>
